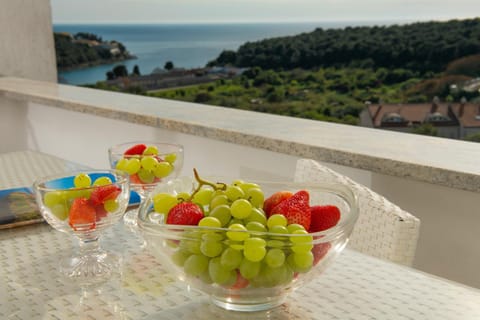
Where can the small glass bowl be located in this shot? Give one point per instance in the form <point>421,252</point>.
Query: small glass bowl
<point>168,154</point>
<point>173,244</point>
<point>84,213</point>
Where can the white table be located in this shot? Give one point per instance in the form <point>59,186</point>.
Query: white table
<point>356,286</point>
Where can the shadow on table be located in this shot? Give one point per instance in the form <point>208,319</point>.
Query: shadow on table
<point>204,310</point>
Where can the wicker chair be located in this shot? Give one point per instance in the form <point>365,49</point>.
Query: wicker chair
<point>383,229</point>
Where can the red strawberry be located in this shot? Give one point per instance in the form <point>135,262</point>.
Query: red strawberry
<point>135,179</point>
<point>240,283</point>
<point>272,201</point>
<point>82,213</point>
<point>136,149</point>
<point>101,212</point>
<point>296,209</point>
<point>319,251</point>
<point>186,213</point>
<point>324,217</point>
<point>103,193</point>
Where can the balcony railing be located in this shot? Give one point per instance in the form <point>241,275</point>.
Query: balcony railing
<point>435,179</point>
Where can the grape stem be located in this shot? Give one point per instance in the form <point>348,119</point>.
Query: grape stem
<point>202,182</point>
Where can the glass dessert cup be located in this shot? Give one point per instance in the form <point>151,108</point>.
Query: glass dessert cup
<point>174,245</point>
<point>85,212</point>
<point>146,175</point>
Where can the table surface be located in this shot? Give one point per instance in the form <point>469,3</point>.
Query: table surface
<point>356,286</point>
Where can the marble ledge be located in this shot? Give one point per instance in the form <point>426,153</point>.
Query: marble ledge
<point>445,162</point>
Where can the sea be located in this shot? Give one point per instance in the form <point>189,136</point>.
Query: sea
<point>186,45</point>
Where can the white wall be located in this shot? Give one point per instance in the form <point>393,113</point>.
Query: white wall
<point>32,56</point>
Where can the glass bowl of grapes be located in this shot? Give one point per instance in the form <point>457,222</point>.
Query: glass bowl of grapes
<point>247,244</point>
<point>84,204</point>
<point>147,164</point>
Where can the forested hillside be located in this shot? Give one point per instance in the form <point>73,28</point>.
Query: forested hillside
<point>84,49</point>
<point>422,47</point>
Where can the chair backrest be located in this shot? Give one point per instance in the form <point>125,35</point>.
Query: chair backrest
<point>383,229</point>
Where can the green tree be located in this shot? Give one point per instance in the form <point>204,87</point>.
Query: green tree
<point>169,65</point>
<point>120,71</point>
<point>136,70</point>
<point>426,129</point>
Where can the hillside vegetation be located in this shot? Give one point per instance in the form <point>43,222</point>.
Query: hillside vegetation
<point>424,47</point>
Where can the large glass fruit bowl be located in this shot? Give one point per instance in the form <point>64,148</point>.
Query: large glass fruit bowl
<point>84,204</point>
<point>244,269</point>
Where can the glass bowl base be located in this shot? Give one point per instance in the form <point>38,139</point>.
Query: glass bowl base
<point>247,306</point>
<point>92,269</point>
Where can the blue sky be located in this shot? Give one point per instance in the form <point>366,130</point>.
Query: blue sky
<point>168,11</point>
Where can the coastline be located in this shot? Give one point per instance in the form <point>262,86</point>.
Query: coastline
<point>94,64</point>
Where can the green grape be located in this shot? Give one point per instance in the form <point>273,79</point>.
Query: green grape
<point>275,258</point>
<point>302,242</point>
<point>163,202</point>
<point>274,243</point>
<point>278,229</point>
<point>220,274</point>
<point>255,242</point>
<point>53,198</point>
<point>231,258</point>
<point>241,209</point>
<point>212,236</point>
<point>254,253</point>
<point>149,163</point>
<point>102,181</point>
<point>218,201</point>
<point>304,260</point>
<point>209,222</point>
<point>122,164</point>
<point>171,158</point>
<point>191,245</point>
<point>277,220</point>
<point>82,180</point>
<point>249,269</point>
<point>235,221</point>
<point>257,215</point>
<point>195,264</point>
<point>245,186</point>
<point>237,232</point>
<point>151,150</point>
<point>279,275</point>
<point>222,213</point>
<point>256,226</point>
<point>145,176</point>
<point>183,196</point>
<point>111,205</point>
<point>236,245</point>
<point>203,196</point>
<point>133,166</point>
<point>255,196</point>
<point>211,248</point>
<point>60,211</point>
<point>301,236</point>
<point>179,257</point>
<point>162,169</point>
<point>205,277</point>
<point>294,227</point>
<point>233,193</point>
<point>237,182</point>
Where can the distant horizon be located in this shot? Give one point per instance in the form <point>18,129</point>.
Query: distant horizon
<point>343,21</point>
